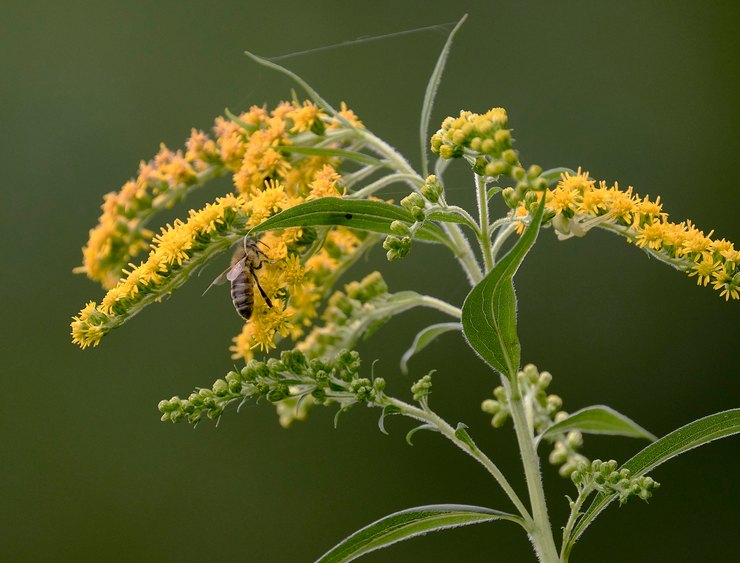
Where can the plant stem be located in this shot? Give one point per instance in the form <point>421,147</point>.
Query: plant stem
<point>464,252</point>
<point>484,238</point>
<point>574,513</point>
<point>434,303</point>
<point>448,432</point>
<point>541,532</point>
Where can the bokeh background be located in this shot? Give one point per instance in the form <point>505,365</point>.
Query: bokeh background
<point>641,92</point>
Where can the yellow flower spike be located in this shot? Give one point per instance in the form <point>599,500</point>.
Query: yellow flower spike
<point>326,183</point>
<point>266,203</point>
<point>705,269</point>
<point>651,235</point>
<point>348,115</point>
<point>305,117</point>
<point>726,284</point>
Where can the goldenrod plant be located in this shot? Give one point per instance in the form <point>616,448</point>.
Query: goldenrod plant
<point>307,202</point>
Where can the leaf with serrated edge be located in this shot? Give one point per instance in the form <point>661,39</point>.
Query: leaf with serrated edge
<point>409,523</point>
<point>423,339</point>
<point>693,435</point>
<point>599,419</point>
<point>489,311</point>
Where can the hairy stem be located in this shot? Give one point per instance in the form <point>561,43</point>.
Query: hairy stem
<point>484,238</point>
<point>541,532</point>
<point>464,252</point>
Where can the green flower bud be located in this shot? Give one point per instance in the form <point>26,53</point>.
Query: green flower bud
<point>496,168</point>
<point>220,387</point>
<point>511,199</point>
<point>534,171</point>
<point>518,173</point>
<point>539,184</point>
<point>432,189</point>
<point>503,137</point>
<point>294,361</point>
<point>480,166</point>
<point>510,156</point>
<point>379,384</point>
<point>397,248</point>
<point>488,146</point>
<point>489,406</point>
<point>499,419</point>
<point>436,143</point>
<point>400,228</point>
<point>475,143</point>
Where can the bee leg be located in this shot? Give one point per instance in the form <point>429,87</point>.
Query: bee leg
<point>262,291</point>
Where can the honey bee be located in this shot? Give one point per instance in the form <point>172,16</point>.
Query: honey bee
<point>242,273</point>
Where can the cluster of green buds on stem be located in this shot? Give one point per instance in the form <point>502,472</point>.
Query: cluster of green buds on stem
<point>545,410</point>
<point>327,381</point>
<point>603,477</point>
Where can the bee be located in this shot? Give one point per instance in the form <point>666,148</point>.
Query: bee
<point>242,273</point>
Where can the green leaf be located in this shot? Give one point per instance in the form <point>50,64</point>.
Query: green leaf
<point>599,419</point>
<point>489,311</point>
<point>387,411</point>
<point>423,339</point>
<point>451,217</point>
<point>693,435</point>
<point>430,93</point>
<point>416,429</point>
<point>461,434</point>
<point>409,523</point>
<point>493,191</point>
<point>374,216</point>
<point>319,151</point>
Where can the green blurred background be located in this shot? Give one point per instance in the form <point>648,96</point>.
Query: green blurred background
<point>644,93</point>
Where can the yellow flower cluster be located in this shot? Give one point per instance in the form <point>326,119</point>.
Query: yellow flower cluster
<point>267,180</point>
<point>247,146</point>
<point>578,204</point>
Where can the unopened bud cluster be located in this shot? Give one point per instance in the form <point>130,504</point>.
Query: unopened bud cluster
<point>486,143</point>
<point>326,381</point>
<point>603,477</point>
<point>422,388</point>
<point>348,315</point>
<point>415,203</point>
<point>545,411</point>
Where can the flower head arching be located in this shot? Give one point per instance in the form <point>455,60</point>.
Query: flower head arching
<point>576,204</point>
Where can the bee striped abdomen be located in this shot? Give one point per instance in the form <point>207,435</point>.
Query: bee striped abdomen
<point>242,294</point>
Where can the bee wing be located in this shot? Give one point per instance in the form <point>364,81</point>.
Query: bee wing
<point>236,269</point>
<point>222,277</point>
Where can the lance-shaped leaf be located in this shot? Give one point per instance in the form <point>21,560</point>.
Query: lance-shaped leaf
<point>423,339</point>
<point>599,419</point>
<point>430,93</point>
<point>693,435</point>
<point>489,311</point>
<point>374,216</point>
<point>409,523</point>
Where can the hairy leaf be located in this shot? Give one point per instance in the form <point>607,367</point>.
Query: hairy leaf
<point>489,311</point>
<point>374,216</point>
<point>423,339</point>
<point>693,435</point>
<point>599,419</point>
<point>409,523</point>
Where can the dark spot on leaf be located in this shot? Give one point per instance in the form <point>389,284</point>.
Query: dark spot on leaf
<point>348,215</point>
